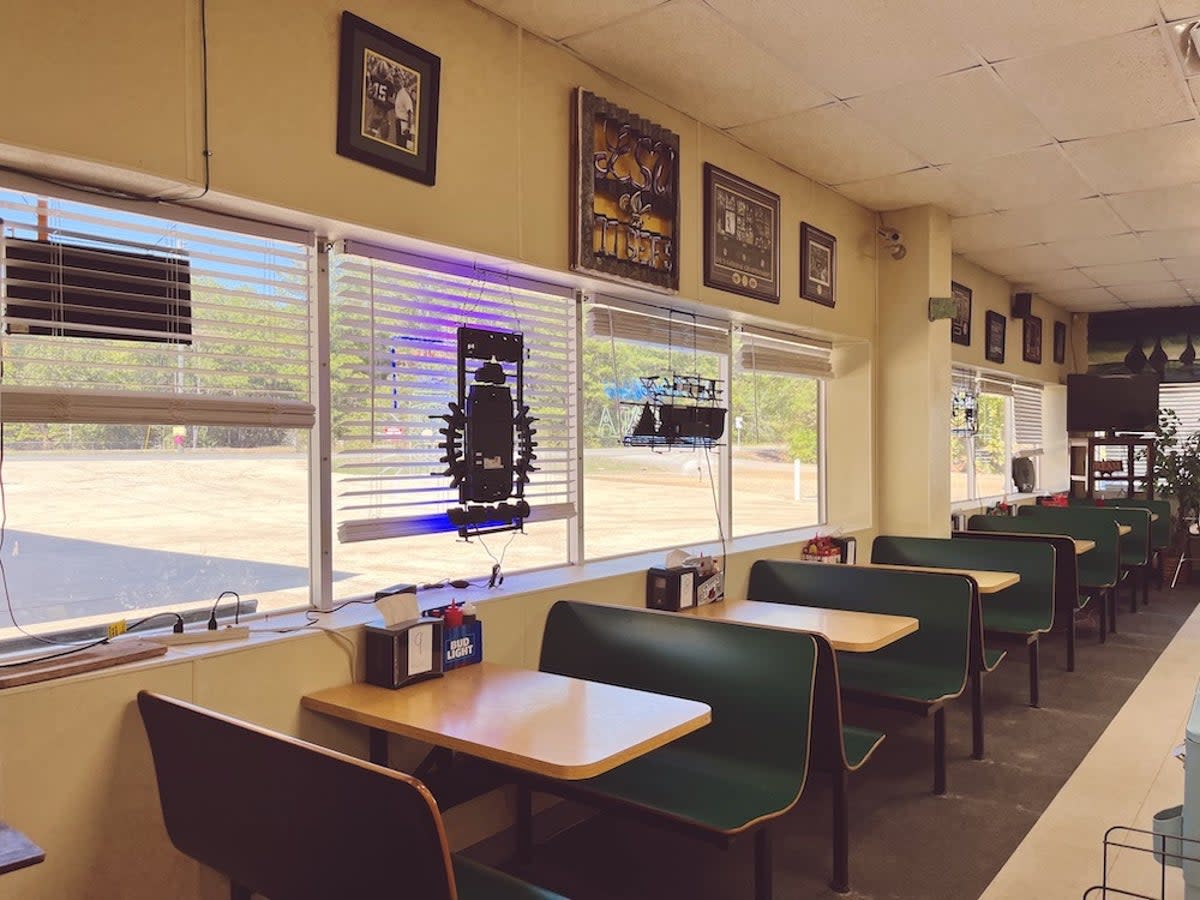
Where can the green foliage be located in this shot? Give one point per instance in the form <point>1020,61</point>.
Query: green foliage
<point>1177,472</point>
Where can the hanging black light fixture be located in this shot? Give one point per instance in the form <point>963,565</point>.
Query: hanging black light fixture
<point>1158,357</point>
<point>1188,356</point>
<point>1135,359</point>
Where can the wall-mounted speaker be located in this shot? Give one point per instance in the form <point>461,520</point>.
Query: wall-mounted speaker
<point>1022,305</point>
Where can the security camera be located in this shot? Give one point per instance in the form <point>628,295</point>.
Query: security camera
<point>891,235</point>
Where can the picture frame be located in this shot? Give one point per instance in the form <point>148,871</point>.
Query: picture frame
<point>1060,343</point>
<point>996,336</point>
<point>387,101</point>
<point>625,197</point>
<point>960,325</point>
<point>1031,340</point>
<point>818,265</point>
<point>741,236</point>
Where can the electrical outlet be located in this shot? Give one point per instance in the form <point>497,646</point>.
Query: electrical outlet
<point>203,636</point>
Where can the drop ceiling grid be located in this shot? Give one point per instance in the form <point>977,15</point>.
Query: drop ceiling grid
<point>1106,190</point>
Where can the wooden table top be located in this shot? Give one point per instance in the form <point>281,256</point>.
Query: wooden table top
<point>989,582</point>
<point>1083,545</point>
<point>543,723</point>
<point>1153,517</point>
<point>1124,529</point>
<point>857,632</point>
<point>17,851</point>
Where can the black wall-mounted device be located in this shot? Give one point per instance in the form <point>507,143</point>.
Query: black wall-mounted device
<point>1022,305</point>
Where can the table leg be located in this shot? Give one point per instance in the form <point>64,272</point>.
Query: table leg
<point>841,834</point>
<point>762,865</point>
<point>977,715</point>
<point>379,747</point>
<point>939,751</point>
<point>524,824</point>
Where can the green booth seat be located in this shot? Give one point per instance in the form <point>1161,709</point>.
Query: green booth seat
<point>1023,611</point>
<point>1160,529</point>
<point>917,673</point>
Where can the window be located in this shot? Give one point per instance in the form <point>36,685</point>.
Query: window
<point>980,453</point>
<point>156,412</point>
<point>641,498</point>
<point>394,370</point>
<point>776,435</point>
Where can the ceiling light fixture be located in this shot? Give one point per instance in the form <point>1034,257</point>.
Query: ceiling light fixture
<point>892,239</point>
<point>1186,38</point>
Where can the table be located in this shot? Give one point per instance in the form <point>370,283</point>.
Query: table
<point>1153,517</point>
<point>989,582</point>
<point>1083,545</point>
<point>1124,529</point>
<point>539,722</point>
<point>17,851</point>
<point>856,632</point>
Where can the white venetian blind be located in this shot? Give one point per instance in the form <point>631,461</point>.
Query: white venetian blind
<point>1184,398</point>
<point>609,317</point>
<point>781,353</point>
<point>394,365</point>
<point>117,317</point>
<point>1027,416</point>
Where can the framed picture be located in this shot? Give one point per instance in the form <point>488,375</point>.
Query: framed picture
<point>997,331</point>
<point>387,101</point>
<point>1060,342</point>
<point>818,265</point>
<point>741,236</point>
<point>1031,343</point>
<point>626,195</point>
<point>960,325</point>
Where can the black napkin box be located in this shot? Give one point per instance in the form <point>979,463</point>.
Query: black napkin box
<point>672,588</point>
<point>404,653</point>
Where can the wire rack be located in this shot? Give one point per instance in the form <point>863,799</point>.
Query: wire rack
<point>1123,836</point>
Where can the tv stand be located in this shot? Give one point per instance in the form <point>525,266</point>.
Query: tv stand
<point>1087,467</point>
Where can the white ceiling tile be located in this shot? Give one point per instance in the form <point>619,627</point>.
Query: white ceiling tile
<point>1192,286</point>
<point>1118,248</point>
<point>748,85</point>
<point>1179,9</point>
<point>989,231</point>
<point>1061,280</point>
<point>1168,244</point>
<point>1084,300</point>
<point>558,19</point>
<point>874,48</point>
<point>830,144</point>
<point>954,118</point>
<point>1129,273</point>
<point>1029,178</point>
<point>1022,27</point>
<point>916,188</point>
<point>1160,209</point>
<point>1100,87</point>
<point>1024,260</point>
<point>1194,88</point>
<point>1139,160</point>
<point>1185,267</point>
<point>1165,293</point>
<point>1074,219</point>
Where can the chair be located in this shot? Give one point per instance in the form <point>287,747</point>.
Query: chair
<point>247,802</point>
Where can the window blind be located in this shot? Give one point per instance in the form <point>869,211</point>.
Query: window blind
<point>1027,416</point>
<point>112,316</point>
<point>608,317</point>
<point>964,380</point>
<point>394,366</point>
<point>1184,399</point>
<point>776,352</point>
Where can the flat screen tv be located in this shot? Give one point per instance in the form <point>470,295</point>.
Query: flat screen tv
<point>1112,402</point>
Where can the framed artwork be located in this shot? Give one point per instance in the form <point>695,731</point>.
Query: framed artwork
<point>626,195</point>
<point>818,265</point>
<point>741,236</point>
<point>997,330</point>
<point>1060,342</point>
<point>387,101</point>
<point>1031,344</point>
<point>960,325</point>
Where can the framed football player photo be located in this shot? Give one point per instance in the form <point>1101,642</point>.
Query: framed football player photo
<point>387,101</point>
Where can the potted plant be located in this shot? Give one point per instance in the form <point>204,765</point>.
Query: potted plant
<point>1177,475</point>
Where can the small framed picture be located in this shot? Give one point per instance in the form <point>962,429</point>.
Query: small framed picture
<point>1031,343</point>
<point>960,325</point>
<point>741,236</point>
<point>387,101</point>
<point>997,332</point>
<point>818,265</point>
<point>1060,342</point>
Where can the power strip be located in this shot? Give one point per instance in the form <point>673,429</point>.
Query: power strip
<point>228,633</point>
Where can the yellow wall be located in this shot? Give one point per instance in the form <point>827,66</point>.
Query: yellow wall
<point>991,292</point>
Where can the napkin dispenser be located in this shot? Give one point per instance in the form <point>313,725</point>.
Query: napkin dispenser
<point>671,588</point>
<point>404,653</point>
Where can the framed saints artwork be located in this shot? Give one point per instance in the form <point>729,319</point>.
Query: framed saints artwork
<point>1060,342</point>
<point>1031,342</point>
<point>741,236</point>
<point>387,101</point>
<point>960,325</point>
<point>818,265</point>
<point>997,330</point>
<point>626,195</point>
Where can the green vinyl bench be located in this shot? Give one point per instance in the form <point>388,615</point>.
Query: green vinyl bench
<point>731,778</point>
<point>1160,531</point>
<point>1024,611</point>
<point>917,673</point>
<point>1140,546</point>
<point>1067,598</point>
<point>242,800</point>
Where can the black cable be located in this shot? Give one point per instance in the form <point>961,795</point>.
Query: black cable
<point>49,656</point>
<point>311,613</point>
<point>237,608</point>
<point>177,627</point>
